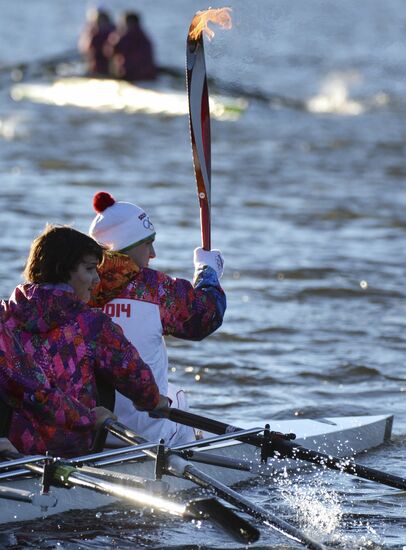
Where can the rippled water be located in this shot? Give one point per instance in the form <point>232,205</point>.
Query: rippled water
<point>308,209</point>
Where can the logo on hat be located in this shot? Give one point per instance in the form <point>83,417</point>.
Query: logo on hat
<point>148,224</point>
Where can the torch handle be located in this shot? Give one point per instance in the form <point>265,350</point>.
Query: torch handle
<point>199,123</point>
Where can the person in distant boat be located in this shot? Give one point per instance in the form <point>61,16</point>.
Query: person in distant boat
<point>131,50</point>
<point>93,40</point>
<point>149,305</point>
<point>81,352</point>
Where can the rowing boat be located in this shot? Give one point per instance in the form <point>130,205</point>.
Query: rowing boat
<point>341,436</point>
<point>104,94</point>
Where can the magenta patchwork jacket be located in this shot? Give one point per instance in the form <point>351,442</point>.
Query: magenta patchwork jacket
<point>69,344</point>
<point>25,387</point>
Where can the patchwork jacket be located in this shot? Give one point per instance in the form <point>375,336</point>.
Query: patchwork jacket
<point>68,344</point>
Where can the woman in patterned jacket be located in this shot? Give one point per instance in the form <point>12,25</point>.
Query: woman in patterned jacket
<point>150,305</point>
<point>74,346</point>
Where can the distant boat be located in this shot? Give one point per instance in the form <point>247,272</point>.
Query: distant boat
<point>105,94</point>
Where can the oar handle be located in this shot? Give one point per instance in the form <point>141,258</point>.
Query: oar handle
<point>123,432</point>
<point>205,424</point>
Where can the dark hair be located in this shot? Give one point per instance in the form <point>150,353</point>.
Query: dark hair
<point>131,18</point>
<point>56,252</point>
<point>103,18</point>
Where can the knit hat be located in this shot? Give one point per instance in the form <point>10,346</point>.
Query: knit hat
<point>119,225</point>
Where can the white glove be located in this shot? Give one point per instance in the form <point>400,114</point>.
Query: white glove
<point>212,258</point>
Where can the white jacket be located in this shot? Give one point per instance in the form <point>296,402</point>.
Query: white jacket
<point>151,306</point>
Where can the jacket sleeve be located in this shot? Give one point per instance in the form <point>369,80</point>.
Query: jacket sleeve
<point>26,389</point>
<point>121,365</point>
<point>191,311</point>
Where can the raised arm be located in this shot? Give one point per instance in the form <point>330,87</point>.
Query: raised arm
<point>193,311</point>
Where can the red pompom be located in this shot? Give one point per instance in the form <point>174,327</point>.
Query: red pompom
<point>102,200</point>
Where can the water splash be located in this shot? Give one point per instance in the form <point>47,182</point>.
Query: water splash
<point>334,95</point>
<point>13,128</point>
<point>317,507</point>
<point>323,511</point>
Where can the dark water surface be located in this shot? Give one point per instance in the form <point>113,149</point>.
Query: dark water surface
<point>308,209</point>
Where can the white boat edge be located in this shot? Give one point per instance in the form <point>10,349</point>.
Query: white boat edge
<point>338,436</point>
<point>108,95</point>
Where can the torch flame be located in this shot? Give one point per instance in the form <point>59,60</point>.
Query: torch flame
<point>221,16</point>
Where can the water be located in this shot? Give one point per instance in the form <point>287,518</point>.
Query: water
<point>308,209</point>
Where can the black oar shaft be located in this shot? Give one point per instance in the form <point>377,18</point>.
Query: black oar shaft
<point>227,519</point>
<point>208,425</point>
<point>344,465</point>
<point>181,468</point>
<point>63,57</point>
<point>220,86</point>
<point>208,482</point>
<point>224,516</point>
<point>250,508</point>
<point>287,448</point>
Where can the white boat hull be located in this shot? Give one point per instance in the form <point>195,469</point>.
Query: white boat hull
<point>340,437</point>
<point>105,94</point>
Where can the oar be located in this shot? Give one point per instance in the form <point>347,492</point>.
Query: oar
<point>221,86</point>
<point>52,469</point>
<point>44,63</point>
<point>199,122</point>
<point>181,468</point>
<point>15,468</point>
<point>173,463</point>
<point>222,515</point>
<point>64,475</point>
<point>285,448</point>
<point>128,487</point>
